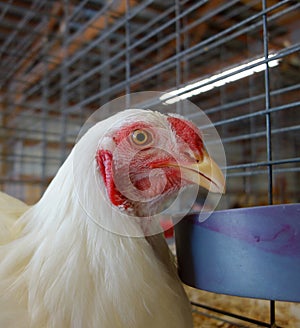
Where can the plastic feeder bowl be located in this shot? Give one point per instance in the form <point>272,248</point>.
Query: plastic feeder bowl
<point>249,252</point>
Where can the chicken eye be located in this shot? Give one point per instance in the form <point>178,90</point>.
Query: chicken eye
<point>141,137</point>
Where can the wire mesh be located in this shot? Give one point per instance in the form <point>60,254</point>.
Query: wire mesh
<point>61,60</point>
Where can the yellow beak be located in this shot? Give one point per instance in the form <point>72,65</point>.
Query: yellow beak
<point>205,173</point>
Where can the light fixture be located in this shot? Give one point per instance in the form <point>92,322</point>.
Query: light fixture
<point>217,80</point>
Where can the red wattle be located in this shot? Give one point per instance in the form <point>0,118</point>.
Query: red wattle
<point>105,165</point>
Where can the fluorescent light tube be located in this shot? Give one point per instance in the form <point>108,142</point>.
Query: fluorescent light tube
<point>205,85</point>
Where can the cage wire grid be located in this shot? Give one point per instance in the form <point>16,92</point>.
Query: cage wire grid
<point>62,60</point>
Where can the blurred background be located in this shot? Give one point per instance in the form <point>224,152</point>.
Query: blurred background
<point>238,60</point>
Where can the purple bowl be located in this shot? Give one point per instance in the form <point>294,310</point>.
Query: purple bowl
<point>249,252</point>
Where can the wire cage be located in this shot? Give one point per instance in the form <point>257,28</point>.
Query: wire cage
<point>238,60</point>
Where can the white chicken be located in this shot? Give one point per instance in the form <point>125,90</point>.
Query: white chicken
<point>89,254</point>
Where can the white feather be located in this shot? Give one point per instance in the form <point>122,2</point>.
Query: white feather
<point>64,267</point>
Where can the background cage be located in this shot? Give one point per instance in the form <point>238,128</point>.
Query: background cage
<point>238,60</point>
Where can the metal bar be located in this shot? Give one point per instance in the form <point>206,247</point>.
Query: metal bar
<point>13,157</point>
<point>267,103</point>
<point>128,54</point>
<point>27,131</point>
<point>258,113</point>
<point>161,67</point>
<point>264,163</point>
<point>25,29</point>
<point>248,100</point>
<point>156,46</point>
<point>78,9</point>
<point>75,35</point>
<point>64,81</point>
<point>272,314</point>
<point>119,86</point>
<point>105,34</point>
<point>44,117</point>
<point>209,15</point>
<point>21,48</point>
<point>170,61</point>
<point>277,56</point>
<point>28,49</point>
<point>258,172</point>
<point>20,181</point>
<point>29,11</point>
<point>178,44</point>
<point>144,75</point>
<point>146,27</point>
<point>134,12</point>
<point>120,54</point>
<point>170,22</point>
<point>5,9</point>
<point>164,65</point>
<point>254,135</point>
<point>208,315</point>
<point>136,44</point>
<point>99,13</point>
<point>24,21</point>
<point>105,52</point>
<point>220,38</point>
<point>53,107</point>
<point>232,315</point>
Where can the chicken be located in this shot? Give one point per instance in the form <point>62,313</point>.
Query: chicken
<point>91,252</point>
